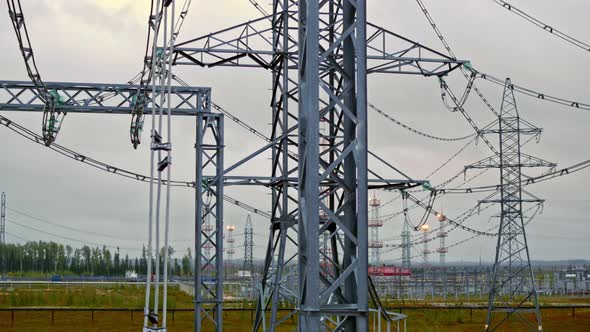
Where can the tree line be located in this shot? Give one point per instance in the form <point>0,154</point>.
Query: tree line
<point>40,257</point>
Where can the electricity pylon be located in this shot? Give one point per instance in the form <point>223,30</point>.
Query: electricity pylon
<point>3,220</point>
<point>513,283</point>
<point>406,243</point>
<point>2,230</point>
<point>248,245</point>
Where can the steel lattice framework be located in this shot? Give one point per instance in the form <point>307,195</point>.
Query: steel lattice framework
<point>3,219</point>
<point>209,205</point>
<point>406,243</point>
<point>100,98</point>
<point>513,282</point>
<point>2,230</point>
<point>314,191</point>
<point>248,246</point>
<point>317,192</point>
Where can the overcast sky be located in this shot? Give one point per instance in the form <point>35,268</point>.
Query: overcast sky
<point>103,41</point>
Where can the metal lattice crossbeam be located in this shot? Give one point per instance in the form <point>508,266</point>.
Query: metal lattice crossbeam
<point>251,44</point>
<point>99,98</point>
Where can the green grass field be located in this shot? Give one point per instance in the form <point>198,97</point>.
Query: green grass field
<point>131,296</point>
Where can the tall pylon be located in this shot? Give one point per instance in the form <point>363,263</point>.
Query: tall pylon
<point>2,230</point>
<point>3,219</point>
<point>513,285</point>
<point>248,245</point>
<point>230,241</point>
<point>406,241</point>
<point>442,249</point>
<point>375,224</point>
<point>442,235</point>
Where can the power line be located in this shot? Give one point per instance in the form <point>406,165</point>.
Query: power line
<point>68,238</point>
<point>66,227</point>
<point>546,27</point>
<point>17,237</point>
<point>30,135</point>
<point>533,93</point>
<point>448,48</point>
<point>259,7</point>
<point>416,131</point>
<point>52,118</point>
<point>451,158</point>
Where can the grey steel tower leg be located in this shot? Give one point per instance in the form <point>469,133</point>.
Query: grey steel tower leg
<point>209,203</point>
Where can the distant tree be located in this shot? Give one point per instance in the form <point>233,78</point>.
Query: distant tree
<point>117,263</point>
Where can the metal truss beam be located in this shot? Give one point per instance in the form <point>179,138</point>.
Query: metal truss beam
<point>99,98</point>
<point>250,45</point>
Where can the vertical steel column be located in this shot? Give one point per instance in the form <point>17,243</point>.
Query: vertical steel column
<point>209,193</point>
<point>274,286</point>
<point>341,302</point>
<point>309,160</point>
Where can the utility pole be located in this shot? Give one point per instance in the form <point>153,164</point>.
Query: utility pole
<point>513,284</point>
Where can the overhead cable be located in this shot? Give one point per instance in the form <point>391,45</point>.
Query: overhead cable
<point>546,27</point>
<point>442,39</point>
<point>533,93</point>
<point>30,135</point>
<point>52,118</point>
<point>66,237</point>
<point>416,131</point>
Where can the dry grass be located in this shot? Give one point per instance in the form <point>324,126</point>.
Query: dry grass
<point>132,296</point>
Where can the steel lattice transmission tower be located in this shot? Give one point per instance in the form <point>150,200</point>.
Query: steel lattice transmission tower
<point>230,241</point>
<point>2,230</point>
<point>3,219</point>
<point>442,235</point>
<point>513,284</point>
<point>425,240</point>
<point>406,242</point>
<point>319,54</point>
<point>248,245</point>
<point>375,224</point>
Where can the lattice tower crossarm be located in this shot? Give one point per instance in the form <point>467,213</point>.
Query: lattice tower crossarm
<point>513,287</point>
<point>100,98</point>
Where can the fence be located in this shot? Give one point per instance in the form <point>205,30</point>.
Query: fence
<point>137,313</point>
